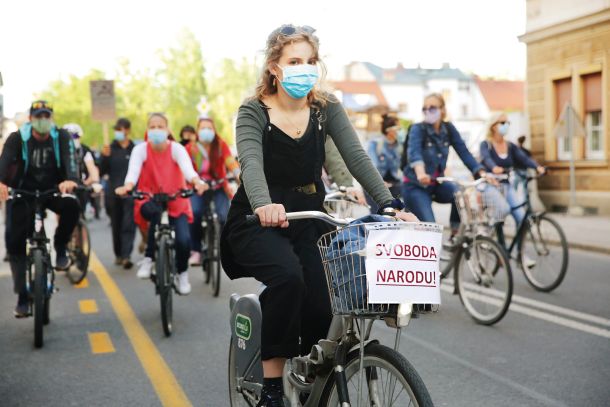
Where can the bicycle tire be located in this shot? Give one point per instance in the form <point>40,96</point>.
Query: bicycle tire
<point>214,257</point>
<point>482,290</point>
<point>205,253</point>
<point>530,275</point>
<point>40,288</point>
<point>80,252</point>
<point>163,266</point>
<point>236,398</point>
<point>379,356</point>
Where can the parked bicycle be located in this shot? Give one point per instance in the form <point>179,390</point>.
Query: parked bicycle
<point>348,365</point>
<point>210,223</point>
<point>540,244</point>
<point>165,266</point>
<point>482,273</point>
<point>40,281</point>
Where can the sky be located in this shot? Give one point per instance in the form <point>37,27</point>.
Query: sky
<point>41,41</point>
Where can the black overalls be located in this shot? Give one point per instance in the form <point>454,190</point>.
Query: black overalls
<point>295,303</point>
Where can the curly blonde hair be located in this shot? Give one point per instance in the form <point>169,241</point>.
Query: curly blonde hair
<point>267,83</point>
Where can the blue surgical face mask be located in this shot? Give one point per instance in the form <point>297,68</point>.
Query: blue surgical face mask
<point>432,116</point>
<point>119,136</point>
<point>157,136</point>
<point>206,135</point>
<point>503,128</point>
<point>299,80</point>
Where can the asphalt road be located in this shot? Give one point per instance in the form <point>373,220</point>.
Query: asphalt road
<point>550,350</point>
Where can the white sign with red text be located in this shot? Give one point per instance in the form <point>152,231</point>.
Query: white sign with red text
<point>402,263</point>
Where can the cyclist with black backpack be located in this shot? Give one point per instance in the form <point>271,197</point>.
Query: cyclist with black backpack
<point>425,159</point>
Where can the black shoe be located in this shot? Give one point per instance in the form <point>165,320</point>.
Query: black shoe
<point>22,310</point>
<point>62,261</point>
<point>271,397</point>
<point>127,264</point>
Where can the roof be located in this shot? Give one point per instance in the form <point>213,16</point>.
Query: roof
<point>361,88</point>
<point>414,75</point>
<point>503,95</point>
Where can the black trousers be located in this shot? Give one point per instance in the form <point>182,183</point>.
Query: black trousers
<point>295,302</point>
<point>20,226</point>
<point>122,224</point>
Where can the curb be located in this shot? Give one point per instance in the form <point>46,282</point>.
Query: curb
<point>589,248</point>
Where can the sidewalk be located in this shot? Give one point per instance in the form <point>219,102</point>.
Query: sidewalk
<point>590,233</point>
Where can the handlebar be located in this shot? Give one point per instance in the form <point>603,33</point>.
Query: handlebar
<point>183,193</point>
<point>16,193</point>
<point>254,220</point>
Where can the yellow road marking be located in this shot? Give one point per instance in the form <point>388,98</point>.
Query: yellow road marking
<point>100,343</point>
<point>87,306</point>
<point>166,386</point>
<point>83,284</point>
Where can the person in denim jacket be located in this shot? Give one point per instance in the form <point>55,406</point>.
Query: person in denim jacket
<point>427,152</point>
<point>384,152</point>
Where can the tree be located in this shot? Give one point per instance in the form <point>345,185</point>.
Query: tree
<point>182,80</point>
<point>228,88</point>
<point>72,104</point>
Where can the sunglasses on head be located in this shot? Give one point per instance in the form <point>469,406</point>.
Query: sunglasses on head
<point>431,109</point>
<point>42,105</point>
<point>290,29</point>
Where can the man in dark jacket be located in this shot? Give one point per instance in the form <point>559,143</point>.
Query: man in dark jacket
<point>115,161</point>
<point>37,157</point>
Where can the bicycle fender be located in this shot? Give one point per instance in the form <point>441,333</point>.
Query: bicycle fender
<point>366,343</point>
<point>246,323</point>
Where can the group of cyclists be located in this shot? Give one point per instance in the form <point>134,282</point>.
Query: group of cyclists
<point>288,134</point>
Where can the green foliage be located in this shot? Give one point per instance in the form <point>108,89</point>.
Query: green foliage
<point>228,88</point>
<point>175,89</point>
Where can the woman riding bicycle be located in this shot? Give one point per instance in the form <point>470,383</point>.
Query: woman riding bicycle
<point>162,165</point>
<point>427,151</point>
<point>280,140</point>
<point>499,156</point>
<point>212,159</point>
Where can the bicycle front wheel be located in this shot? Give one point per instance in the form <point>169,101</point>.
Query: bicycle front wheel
<point>163,268</point>
<point>214,258</point>
<point>40,294</point>
<point>484,280</point>
<point>79,248</point>
<point>448,254</point>
<point>543,253</point>
<point>388,380</point>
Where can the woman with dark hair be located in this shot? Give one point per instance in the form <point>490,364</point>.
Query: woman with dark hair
<point>188,136</point>
<point>385,153</point>
<point>213,161</point>
<point>280,140</point>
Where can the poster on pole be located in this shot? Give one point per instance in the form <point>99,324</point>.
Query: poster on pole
<point>102,100</point>
<point>402,264</point>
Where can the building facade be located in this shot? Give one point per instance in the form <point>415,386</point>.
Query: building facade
<point>568,64</point>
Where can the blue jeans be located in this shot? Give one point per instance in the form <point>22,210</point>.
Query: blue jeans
<point>151,211</point>
<point>505,200</point>
<point>419,200</point>
<point>200,206</point>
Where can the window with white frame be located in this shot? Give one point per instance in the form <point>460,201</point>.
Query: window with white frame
<point>595,135</point>
<point>595,138</point>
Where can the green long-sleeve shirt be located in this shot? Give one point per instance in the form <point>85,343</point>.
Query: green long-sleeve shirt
<point>251,121</point>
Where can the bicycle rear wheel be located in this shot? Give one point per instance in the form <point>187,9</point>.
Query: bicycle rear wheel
<point>389,380</point>
<point>205,252</point>
<point>40,293</point>
<point>79,248</point>
<point>163,268</point>
<point>484,280</point>
<point>543,253</point>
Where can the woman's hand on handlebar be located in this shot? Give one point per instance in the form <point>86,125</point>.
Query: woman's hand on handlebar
<point>200,186</point>
<point>124,190</point>
<point>540,169</point>
<point>272,215</point>
<point>406,216</point>
<point>497,170</point>
<point>67,187</point>
<point>357,194</point>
